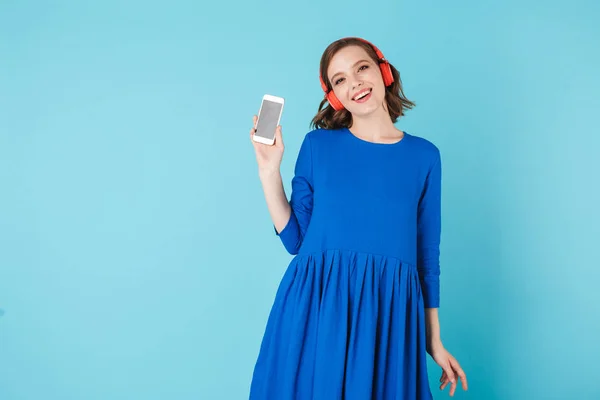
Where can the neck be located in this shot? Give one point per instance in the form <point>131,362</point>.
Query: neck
<point>376,127</point>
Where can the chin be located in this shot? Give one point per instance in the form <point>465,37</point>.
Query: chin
<point>363,110</point>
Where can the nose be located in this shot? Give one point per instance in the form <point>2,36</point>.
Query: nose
<point>356,82</point>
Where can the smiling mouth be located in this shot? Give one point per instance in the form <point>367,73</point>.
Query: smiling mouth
<point>362,95</point>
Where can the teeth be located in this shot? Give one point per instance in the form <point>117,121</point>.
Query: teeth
<point>362,95</point>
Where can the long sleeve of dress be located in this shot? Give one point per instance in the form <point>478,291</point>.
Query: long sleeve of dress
<point>428,235</point>
<point>301,200</point>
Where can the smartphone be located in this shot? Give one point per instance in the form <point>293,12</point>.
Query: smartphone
<point>269,116</point>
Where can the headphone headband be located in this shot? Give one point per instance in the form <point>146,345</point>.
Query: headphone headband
<point>377,51</point>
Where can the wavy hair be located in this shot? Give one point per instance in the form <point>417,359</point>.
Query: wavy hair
<point>395,100</point>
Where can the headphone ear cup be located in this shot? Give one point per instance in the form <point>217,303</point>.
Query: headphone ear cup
<point>334,101</point>
<point>323,85</point>
<point>386,72</point>
<point>330,96</point>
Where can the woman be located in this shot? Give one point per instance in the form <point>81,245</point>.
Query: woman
<point>356,311</point>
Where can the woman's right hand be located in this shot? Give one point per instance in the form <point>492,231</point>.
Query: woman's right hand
<point>268,157</point>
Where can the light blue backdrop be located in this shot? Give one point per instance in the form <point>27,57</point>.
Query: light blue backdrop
<point>137,257</point>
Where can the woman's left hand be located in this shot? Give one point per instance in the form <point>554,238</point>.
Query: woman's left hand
<point>451,369</point>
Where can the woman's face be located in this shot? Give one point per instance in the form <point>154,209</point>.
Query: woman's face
<point>356,80</point>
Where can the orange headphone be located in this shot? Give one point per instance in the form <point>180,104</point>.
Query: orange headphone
<point>386,72</point>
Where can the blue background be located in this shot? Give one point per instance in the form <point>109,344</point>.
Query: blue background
<point>137,256</point>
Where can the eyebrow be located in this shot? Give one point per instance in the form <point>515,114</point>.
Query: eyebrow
<point>355,64</point>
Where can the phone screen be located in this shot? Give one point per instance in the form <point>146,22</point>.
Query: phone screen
<point>268,119</point>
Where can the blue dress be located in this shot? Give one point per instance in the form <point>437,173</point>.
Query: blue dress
<point>348,320</point>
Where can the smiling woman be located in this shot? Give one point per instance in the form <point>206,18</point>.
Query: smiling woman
<point>356,311</point>
<point>371,68</point>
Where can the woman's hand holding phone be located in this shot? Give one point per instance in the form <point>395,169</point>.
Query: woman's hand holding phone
<point>268,157</point>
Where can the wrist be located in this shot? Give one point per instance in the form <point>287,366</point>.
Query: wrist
<point>268,173</point>
<point>434,344</point>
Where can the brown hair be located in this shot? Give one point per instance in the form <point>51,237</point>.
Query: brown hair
<point>328,118</point>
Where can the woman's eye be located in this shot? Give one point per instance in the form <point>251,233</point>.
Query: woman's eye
<point>364,66</point>
<point>337,82</point>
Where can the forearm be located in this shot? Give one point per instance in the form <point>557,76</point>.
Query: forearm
<point>432,323</point>
<point>276,199</point>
